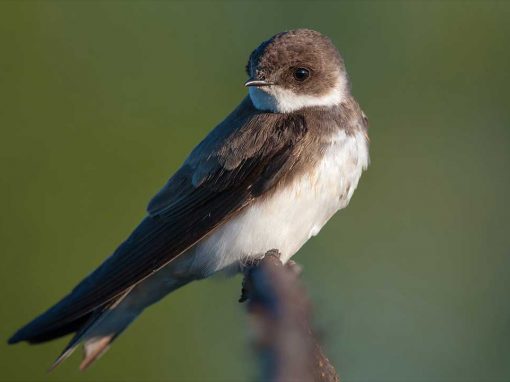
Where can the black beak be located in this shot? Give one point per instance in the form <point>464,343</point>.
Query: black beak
<point>257,83</point>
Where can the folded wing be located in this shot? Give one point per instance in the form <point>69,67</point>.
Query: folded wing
<point>238,162</point>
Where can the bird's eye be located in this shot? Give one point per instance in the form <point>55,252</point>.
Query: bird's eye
<point>301,74</point>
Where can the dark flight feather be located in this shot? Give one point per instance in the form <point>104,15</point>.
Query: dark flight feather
<point>219,178</point>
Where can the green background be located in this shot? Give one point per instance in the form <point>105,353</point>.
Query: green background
<point>101,101</point>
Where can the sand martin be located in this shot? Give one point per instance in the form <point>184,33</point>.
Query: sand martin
<point>268,177</point>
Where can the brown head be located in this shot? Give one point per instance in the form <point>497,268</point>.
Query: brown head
<point>296,69</point>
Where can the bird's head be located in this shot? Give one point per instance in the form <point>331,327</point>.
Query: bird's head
<point>296,69</point>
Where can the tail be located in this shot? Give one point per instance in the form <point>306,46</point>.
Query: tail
<point>98,333</point>
<point>24,334</point>
<point>98,329</point>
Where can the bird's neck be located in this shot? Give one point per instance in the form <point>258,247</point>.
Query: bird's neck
<point>277,99</point>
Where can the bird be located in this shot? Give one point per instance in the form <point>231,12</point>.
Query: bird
<point>269,176</point>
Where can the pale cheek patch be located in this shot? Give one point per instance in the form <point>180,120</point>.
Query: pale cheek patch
<point>280,100</point>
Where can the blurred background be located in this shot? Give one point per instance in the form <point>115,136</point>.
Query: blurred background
<point>101,101</point>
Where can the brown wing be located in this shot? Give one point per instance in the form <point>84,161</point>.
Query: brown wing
<point>239,161</point>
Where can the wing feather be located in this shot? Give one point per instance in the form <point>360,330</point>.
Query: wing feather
<point>238,162</point>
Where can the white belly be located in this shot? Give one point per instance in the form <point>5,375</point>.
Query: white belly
<point>291,216</point>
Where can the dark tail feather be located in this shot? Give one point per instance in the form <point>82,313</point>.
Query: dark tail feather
<point>93,317</point>
<point>95,341</point>
<point>36,337</point>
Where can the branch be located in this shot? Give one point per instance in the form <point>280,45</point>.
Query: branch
<point>280,316</point>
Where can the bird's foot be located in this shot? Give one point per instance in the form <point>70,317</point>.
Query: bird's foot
<point>294,267</point>
<point>253,262</point>
<point>250,263</point>
<point>244,291</point>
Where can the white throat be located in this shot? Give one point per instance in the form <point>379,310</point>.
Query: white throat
<point>280,100</point>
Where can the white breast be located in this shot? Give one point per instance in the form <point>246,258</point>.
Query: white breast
<point>291,216</point>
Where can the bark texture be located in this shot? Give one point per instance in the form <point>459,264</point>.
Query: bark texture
<point>280,313</point>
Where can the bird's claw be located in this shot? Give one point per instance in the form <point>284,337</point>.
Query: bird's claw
<point>250,263</point>
<point>294,267</point>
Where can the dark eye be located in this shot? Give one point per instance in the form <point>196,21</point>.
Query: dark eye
<point>301,74</point>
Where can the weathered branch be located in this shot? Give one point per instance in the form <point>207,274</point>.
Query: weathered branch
<point>280,313</point>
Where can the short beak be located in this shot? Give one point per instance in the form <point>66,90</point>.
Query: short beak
<point>257,83</point>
